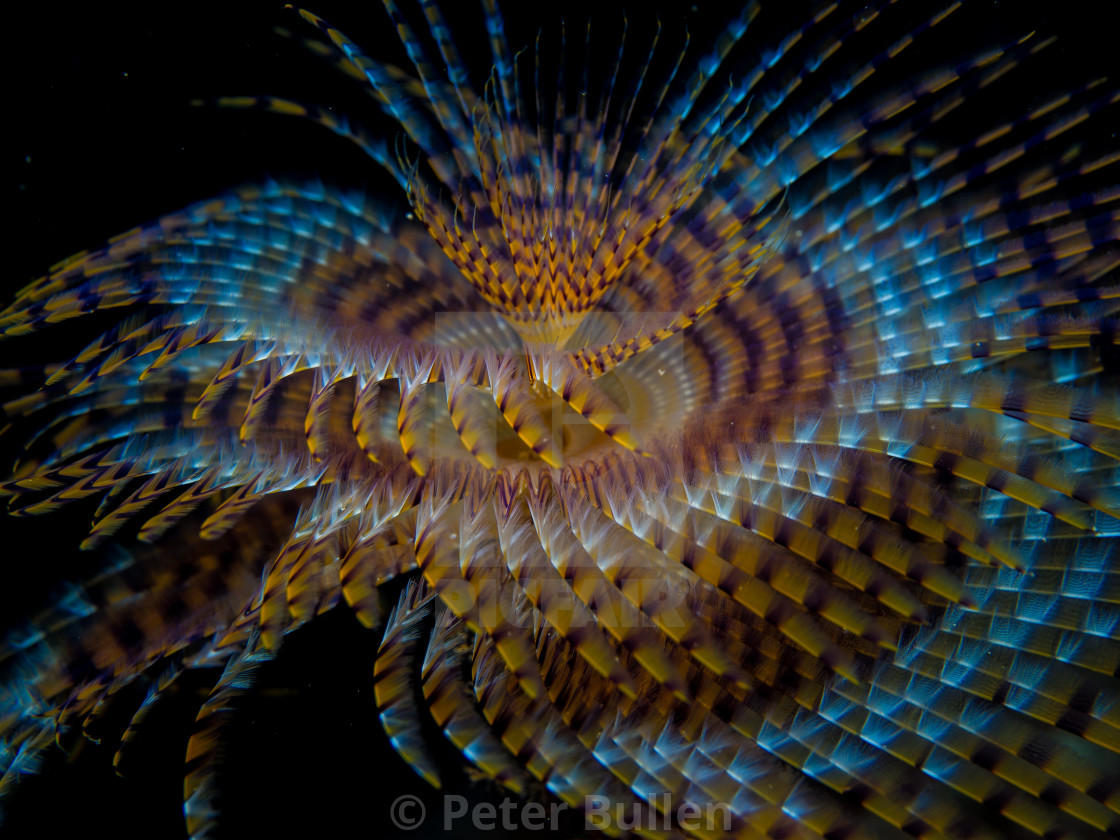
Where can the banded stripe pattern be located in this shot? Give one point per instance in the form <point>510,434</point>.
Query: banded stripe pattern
<point>737,440</point>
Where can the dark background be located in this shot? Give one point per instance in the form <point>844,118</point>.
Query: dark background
<point>100,138</point>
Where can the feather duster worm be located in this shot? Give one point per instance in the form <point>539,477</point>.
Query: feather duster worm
<point>736,440</point>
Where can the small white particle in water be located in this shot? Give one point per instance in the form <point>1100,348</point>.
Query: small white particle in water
<point>661,371</point>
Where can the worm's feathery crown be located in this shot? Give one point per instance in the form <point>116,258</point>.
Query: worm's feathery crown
<point>737,459</point>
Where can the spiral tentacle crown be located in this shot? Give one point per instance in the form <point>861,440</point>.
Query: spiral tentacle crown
<point>741,443</point>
